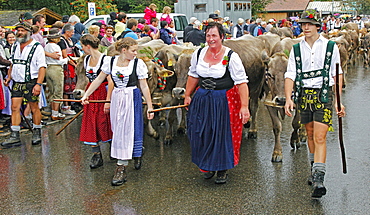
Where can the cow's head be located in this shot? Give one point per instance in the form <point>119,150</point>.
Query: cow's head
<point>82,80</point>
<point>181,70</point>
<point>276,68</point>
<point>155,71</point>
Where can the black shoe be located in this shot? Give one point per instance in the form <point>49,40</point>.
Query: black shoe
<point>120,176</point>
<point>12,141</point>
<point>309,180</point>
<point>209,175</point>
<point>221,177</point>
<point>318,184</point>
<point>96,160</point>
<point>36,136</point>
<point>138,161</point>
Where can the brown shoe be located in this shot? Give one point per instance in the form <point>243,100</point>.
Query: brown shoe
<point>60,116</point>
<point>120,176</point>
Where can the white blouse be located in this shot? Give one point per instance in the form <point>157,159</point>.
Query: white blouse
<point>121,75</point>
<point>203,69</point>
<point>313,59</point>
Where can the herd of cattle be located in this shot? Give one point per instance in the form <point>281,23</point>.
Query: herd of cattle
<point>265,60</point>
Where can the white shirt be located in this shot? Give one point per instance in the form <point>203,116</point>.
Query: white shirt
<point>202,68</point>
<point>37,61</point>
<point>141,71</point>
<point>360,24</point>
<point>313,59</point>
<point>51,48</point>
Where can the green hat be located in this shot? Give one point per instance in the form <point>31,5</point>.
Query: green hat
<point>27,16</point>
<point>309,16</point>
<point>24,25</point>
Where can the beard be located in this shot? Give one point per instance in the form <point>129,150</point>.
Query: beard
<point>24,38</point>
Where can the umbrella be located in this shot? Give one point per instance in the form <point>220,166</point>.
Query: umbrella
<point>293,18</point>
<point>345,15</point>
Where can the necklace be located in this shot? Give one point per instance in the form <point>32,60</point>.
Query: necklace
<point>215,56</point>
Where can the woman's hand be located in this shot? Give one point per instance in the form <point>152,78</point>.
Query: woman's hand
<point>187,101</point>
<point>84,100</point>
<point>150,115</point>
<point>244,114</point>
<point>106,108</point>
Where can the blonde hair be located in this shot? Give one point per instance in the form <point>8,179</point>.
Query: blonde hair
<point>93,29</point>
<point>167,10</point>
<point>124,43</point>
<point>53,40</point>
<point>153,6</point>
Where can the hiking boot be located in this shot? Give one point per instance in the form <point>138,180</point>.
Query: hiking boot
<point>120,176</point>
<point>309,180</point>
<point>36,136</point>
<point>96,160</point>
<point>209,174</point>
<point>318,184</point>
<point>221,177</point>
<point>138,162</point>
<point>12,141</point>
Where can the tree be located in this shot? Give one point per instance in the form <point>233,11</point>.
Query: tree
<point>80,8</point>
<point>258,6</point>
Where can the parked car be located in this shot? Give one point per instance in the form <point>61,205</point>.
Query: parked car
<point>180,21</point>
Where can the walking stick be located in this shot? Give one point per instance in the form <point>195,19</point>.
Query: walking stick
<point>344,163</point>
<point>167,108</point>
<point>95,101</point>
<point>23,116</point>
<point>69,122</point>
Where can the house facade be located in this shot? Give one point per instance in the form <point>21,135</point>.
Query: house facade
<point>201,9</point>
<point>284,9</point>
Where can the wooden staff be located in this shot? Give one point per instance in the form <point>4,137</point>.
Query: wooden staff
<point>95,101</point>
<point>167,108</point>
<point>69,122</point>
<point>344,163</point>
<point>73,100</point>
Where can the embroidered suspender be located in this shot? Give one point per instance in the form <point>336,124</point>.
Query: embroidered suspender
<point>27,62</point>
<point>324,72</point>
<point>92,76</point>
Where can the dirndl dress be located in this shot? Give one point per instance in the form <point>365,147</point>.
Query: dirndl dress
<point>126,109</point>
<point>96,124</point>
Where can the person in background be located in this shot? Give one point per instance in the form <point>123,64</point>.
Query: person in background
<point>270,25</point>
<point>196,36</point>
<point>150,13</point>
<point>145,32</point>
<point>65,19</point>
<point>113,20</point>
<point>79,28</point>
<point>252,26</point>
<point>141,24</point>
<point>165,33</point>
<point>108,39</point>
<point>166,15</point>
<point>238,29</point>
<point>96,126</point>
<point>311,72</point>
<point>173,33</point>
<point>10,40</point>
<point>126,112</point>
<point>130,30</point>
<point>154,32</point>
<point>245,28</point>
<point>70,78</point>
<point>54,73</point>
<point>189,27</point>
<point>296,28</point>
<point>26,17</point>
<point>59,25</point>
<point>94,30</point>
<point>102,28</point>
<point>219,107</point>
<point>120,25</point>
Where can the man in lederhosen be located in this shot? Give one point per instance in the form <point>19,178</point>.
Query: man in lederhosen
<point>27,72</point>
<point>311,72</point>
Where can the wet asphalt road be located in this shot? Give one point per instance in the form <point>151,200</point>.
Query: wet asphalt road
<point>54,177</point>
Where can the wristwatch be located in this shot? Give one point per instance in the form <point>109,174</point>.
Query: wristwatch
<point>39,84</point>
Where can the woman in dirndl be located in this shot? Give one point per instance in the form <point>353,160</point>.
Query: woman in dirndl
<point>126,105</point>
<point>70,77</point>
<point>95,126</point>
<point>219,106</point>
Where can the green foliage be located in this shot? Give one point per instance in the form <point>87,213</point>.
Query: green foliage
<point>148,52</point>
<point>258,6</point>
<point>80,8</point>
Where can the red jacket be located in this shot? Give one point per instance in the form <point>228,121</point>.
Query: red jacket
<point>149,14</point>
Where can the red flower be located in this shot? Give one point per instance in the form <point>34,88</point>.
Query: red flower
<point>121,76</point>
<point>91,71</point>
<point>224,62</point>
<point>310,16</point>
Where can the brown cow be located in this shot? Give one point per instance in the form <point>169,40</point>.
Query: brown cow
<point>275,96</point>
